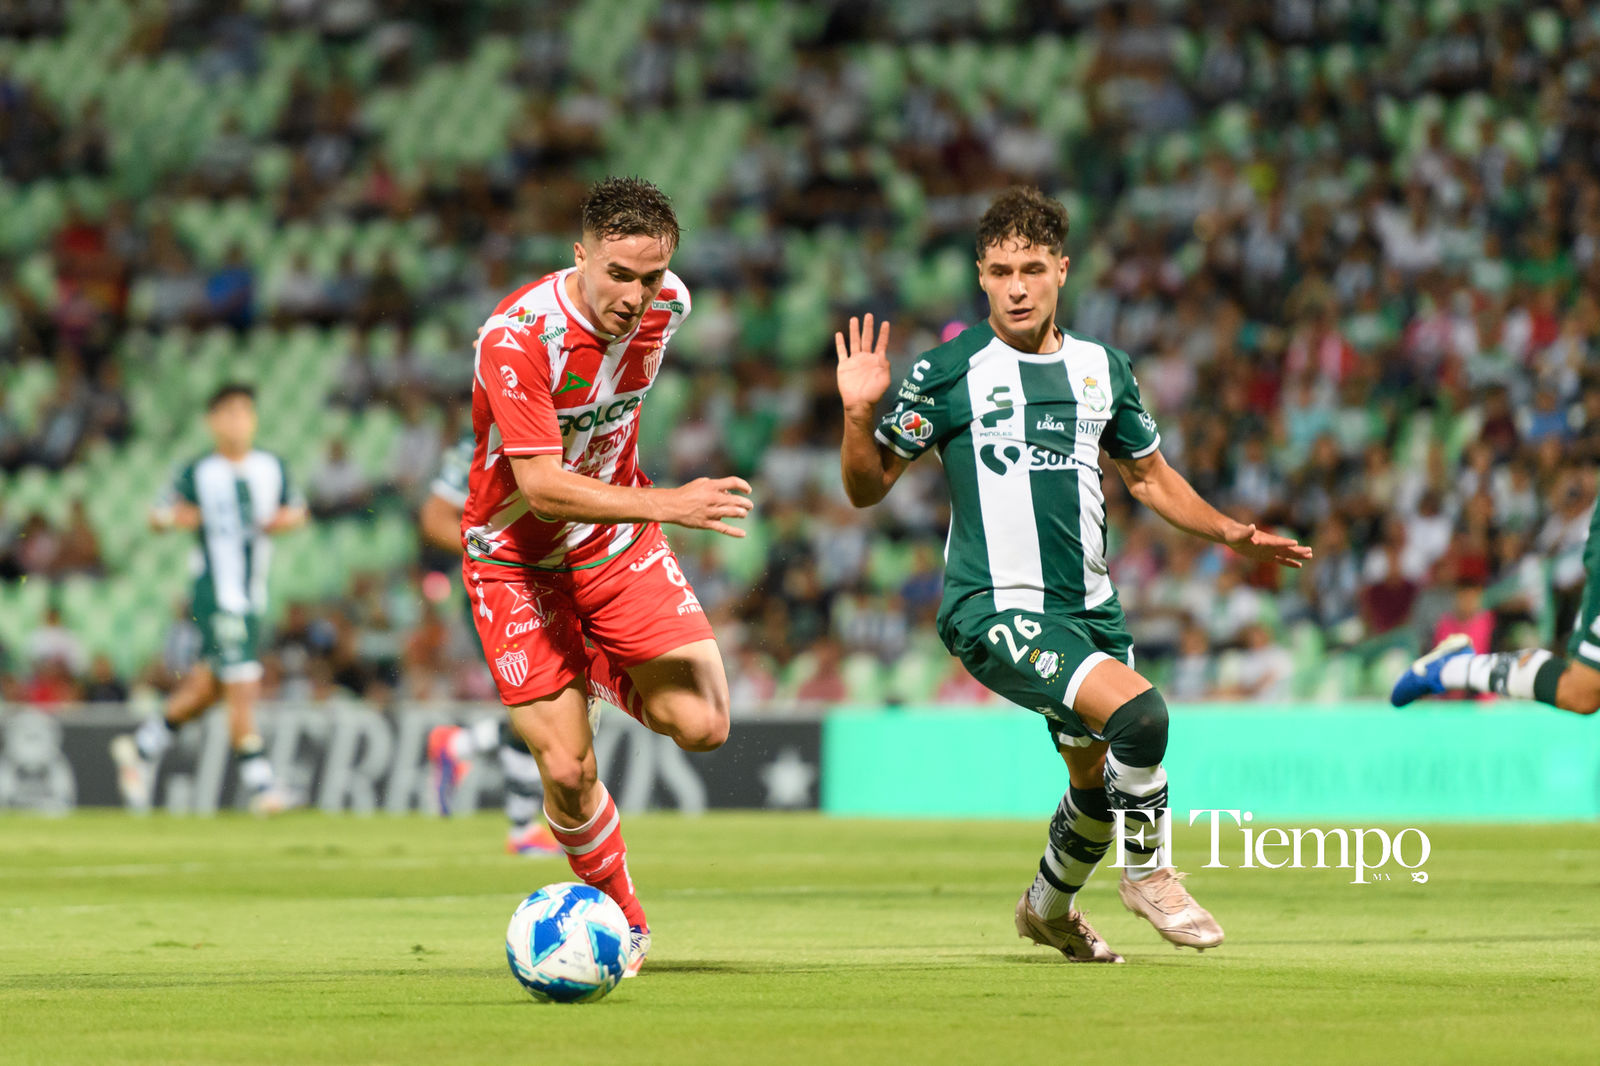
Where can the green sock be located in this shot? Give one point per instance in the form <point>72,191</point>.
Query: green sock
<point>1547,680</point>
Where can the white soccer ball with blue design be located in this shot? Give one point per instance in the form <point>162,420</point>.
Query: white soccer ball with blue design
<point>567,943</point>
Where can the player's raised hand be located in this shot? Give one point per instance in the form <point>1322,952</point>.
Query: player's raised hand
<point>863,366</point>
<point>1252,543</point>
<point>704,502</point>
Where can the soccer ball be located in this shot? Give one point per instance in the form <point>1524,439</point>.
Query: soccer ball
<point>567,943</point>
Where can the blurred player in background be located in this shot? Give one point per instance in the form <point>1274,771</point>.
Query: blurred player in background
<point>1571,684</point>
<point>574,588</point>
<point>233,499</point>
<point>451,748</point>
<point>1019,411</point>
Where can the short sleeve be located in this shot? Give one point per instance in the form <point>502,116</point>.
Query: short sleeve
<point>1133,433</point>
<point>517,386</point>
<point>455,470</point>
<point>920,417</point>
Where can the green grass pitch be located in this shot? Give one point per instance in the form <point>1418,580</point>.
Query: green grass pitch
<point>779,939</point>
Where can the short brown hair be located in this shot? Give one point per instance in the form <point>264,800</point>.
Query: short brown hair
<point>1023,213</point>
<point>629,207</point>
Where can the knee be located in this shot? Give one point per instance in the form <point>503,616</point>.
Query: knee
<point>1137,731</point>
<point>705,729</point>
<point>567,773</point>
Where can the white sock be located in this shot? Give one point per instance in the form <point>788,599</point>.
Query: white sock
<point>1503,673</point>
<point>1137,789</point>
<point>1524,668</point>
<point>1047,900</point>
<point>255,772</point>
<point>153,738</point>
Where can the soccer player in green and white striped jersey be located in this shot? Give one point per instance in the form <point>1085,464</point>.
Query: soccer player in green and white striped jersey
<point>1018,411</point>
<point>233,499</point>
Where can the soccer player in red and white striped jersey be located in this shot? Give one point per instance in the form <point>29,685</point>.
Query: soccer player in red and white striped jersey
<point>574,588</point>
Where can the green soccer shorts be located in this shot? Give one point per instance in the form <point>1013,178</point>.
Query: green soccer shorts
<point>1039,661</point>
<point>230,643</point>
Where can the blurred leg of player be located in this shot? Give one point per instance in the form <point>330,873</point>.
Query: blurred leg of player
<point>451,750</point>
<point>138,756</point>
<point>1535,674</point>
<point>1572,684</point>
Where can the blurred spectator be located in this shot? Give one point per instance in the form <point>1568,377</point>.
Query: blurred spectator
<point>230,292</point>
<point>54,643</point>
<point>102,684</point>
<point>79,547</point>
<point>1193,675</point>
<point>338,486</point>
<point>1261,670</point>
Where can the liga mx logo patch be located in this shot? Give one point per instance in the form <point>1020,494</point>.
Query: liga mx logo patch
<point>513,667</point>
<point>915,426</point>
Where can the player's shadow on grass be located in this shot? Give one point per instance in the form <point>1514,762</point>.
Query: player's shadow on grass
<point>719,966</point>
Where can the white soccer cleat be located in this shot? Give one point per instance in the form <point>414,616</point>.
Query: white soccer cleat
<point>1162,900</point>
<point>638,948</point>
<point>135,773</point>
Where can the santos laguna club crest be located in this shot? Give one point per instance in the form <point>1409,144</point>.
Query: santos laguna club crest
<point>1094,395</point>
<point>513,667</point>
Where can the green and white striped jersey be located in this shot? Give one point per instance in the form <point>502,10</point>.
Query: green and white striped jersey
<point>236,500</point>
<point>1020,438</point>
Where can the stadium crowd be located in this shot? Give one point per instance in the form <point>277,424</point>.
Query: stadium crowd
<point>1353,249</point>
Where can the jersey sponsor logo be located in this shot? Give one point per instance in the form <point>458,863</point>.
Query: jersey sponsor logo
<point>914,425</point>
<point>513,667</point>
<point>508,376</point>
<point>1093,394</point>
<point>1003,458</point>
<point>909,393</point>
<point>1048,422</point>
<point>675,306</point>
<point>1091,428</point>
<point>1147,421</point>
<point>572,381</point>
<point>552,333</point>
<point>917,370</point>
<point>1000,396</point>
<point>586,418</point>
<point>599,452</point>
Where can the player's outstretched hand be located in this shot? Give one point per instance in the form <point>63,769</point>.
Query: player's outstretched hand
<point>863,366</point>
<point>1252,543</point>
<point>704,502</point>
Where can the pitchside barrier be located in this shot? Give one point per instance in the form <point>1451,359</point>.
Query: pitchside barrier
<point>1279,762</point>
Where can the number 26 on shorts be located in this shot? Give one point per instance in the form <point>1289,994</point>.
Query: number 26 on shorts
<point>1027,627</point>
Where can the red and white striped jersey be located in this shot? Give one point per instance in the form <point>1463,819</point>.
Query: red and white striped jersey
<point>545,384</point>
